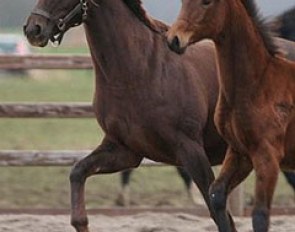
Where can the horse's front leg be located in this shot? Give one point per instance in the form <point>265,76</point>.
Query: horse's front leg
<point>266,161</point>
<point>234,170</point>
<point>107,158</point>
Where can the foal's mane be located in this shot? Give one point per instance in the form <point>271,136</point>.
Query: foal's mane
<point>262,27</point>
<point>136,7</point>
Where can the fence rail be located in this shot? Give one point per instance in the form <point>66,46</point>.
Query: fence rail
<point>49,158</point>
<point>15,62</point>
<point>60,110</point>
<point>46,110</point>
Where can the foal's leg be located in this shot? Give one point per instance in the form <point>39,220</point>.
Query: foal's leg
<point>196,163</point>
<point>234,170</point>
<point>266,167</point>
<point>107,158</point>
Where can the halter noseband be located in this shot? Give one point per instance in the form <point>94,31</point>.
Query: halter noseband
<point>62,23</point>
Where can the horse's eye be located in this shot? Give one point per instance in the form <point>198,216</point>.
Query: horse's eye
<point>206,2</point>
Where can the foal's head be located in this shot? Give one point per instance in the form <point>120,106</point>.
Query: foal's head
<point>198,19</point>
<point>50,19</point>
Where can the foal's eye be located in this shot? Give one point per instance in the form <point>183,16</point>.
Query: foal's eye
<point>206,2</point>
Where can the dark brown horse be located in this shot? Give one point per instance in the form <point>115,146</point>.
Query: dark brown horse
<point>255,110</point>
<point>149,101</point>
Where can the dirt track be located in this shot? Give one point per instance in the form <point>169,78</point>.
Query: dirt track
<point>147,222</point>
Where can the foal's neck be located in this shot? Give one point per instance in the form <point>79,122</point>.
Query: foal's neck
<point>118,41</point>
<point>242,55</point>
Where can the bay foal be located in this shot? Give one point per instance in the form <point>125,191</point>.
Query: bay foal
<point>255,110</point>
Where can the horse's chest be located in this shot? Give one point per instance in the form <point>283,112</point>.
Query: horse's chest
<point>233,125</point>
<point>245,125</point>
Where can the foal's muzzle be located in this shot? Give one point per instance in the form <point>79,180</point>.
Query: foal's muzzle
<point>175,45</point>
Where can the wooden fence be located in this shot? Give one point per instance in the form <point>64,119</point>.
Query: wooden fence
<point>60,110</point>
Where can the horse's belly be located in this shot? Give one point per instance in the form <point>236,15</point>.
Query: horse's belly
<point>142,139</point>
<point>151,145</point>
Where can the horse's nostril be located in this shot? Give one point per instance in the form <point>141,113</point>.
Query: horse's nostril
<point>37,30</point>
<point>175,42</point>
<point>32,30</point>
<point>25,29</point>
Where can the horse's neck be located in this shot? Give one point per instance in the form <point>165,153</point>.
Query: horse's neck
<point>242,58</point>
<point>118,41</point>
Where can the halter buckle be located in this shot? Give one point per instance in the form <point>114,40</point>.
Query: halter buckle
<point>61,25</point>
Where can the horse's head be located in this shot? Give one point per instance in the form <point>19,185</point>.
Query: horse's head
<point>50,19</point>
<point>198,19</point>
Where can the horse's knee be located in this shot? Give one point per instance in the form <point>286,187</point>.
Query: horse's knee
<point>260,219</point>
<point>218,196</point>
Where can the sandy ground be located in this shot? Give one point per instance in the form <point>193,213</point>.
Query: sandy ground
<point>147,222</point>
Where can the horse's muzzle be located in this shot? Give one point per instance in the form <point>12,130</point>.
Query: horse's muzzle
<point>35,32</point>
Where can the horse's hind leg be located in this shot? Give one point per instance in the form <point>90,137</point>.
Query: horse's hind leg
<point>107,158</point>
<point>192,192</point>
<point>185,177</point>
<point>266,167</point>
<point>123,198</point>
<point>234,170</point>
<point>196,163</point>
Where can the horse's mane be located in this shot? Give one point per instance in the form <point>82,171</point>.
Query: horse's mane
<point>136,7</point>
<point>262,27</point>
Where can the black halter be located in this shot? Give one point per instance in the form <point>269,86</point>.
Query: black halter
<point>62,23</point>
